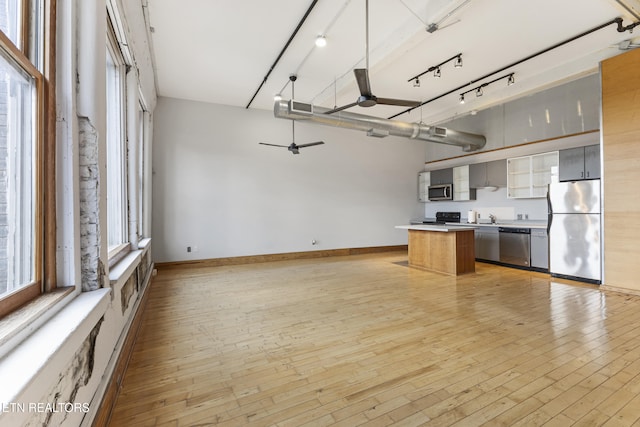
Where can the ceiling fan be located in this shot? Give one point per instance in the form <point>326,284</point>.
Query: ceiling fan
<point>367,98</point>
<point>293,147</point>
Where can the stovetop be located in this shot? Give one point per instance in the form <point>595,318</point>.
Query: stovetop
<point>444,217</point>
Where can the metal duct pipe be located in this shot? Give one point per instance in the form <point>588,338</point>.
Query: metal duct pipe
<point>376,126</point>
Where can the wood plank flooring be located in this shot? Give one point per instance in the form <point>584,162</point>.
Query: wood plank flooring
<point>366,340</point>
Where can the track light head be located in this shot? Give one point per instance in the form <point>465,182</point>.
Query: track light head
<point>462,98</point>
<point>511,80</point>
<point>479,91</point>
<point>437,72</point>
<point>458,62</point>
<point>416,82</point>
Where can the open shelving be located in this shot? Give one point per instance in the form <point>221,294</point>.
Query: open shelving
<point>529,176</point>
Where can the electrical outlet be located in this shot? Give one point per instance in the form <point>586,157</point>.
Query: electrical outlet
<point>188,248</point>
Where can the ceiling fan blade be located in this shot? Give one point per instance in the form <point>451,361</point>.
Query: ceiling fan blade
<point>400,102</point>
<point>311,144</point>
<point>273,145</point>
<point>344,107</point>
<point>362,77</point>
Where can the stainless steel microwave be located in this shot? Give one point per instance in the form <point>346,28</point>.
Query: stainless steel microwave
<point>441,192</point>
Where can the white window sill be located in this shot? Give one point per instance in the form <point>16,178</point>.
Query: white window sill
<point>40,354</point>
<point>144,243</point>
<point>119,273</point>
<point>43,347</point>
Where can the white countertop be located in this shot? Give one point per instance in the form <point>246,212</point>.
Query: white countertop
<point>511,224</point>
<point>436,227</point>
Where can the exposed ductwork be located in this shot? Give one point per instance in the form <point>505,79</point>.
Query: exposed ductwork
<point>377,127</point>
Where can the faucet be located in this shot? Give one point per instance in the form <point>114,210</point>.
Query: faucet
<point>492,218</point>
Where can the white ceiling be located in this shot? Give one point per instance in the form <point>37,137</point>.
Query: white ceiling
<point>220,51</point>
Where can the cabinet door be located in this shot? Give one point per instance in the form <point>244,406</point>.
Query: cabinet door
<point>423,186</point>
<point>487,244</point>
<point>519,177</point>
<point>592,161</point>
<point>442,176</point>
<point>571,166</point>
<point>497,173</point>
<point>539,249</point>
<point>461,190</point>
<point>541,165</point>
<point>478,175</point>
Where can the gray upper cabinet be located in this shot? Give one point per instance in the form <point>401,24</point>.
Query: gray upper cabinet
<point>442,176</point>
<point>489,174</point>
<point>579,163</point>
<point>497,173</point>
<point>477,175</point>
<point>592,161</point>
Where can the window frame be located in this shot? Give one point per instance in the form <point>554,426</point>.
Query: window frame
<point>43,143</point>
<point>143,164</point>
<point>119,250</point>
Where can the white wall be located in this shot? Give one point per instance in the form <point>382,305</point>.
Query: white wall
<point>216,189</point>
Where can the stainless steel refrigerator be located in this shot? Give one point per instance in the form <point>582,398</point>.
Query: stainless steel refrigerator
<point>574,230</point>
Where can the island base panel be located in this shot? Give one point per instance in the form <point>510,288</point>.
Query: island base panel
<point>450,253</point>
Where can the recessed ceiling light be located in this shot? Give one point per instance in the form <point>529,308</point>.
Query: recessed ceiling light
<point>321,41</point>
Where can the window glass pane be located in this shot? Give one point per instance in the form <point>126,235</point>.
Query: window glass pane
<point>116,206</point>
<point>36,42</point>
<point>10,17</point>
<point>17,177</point>
<point>141,165</point>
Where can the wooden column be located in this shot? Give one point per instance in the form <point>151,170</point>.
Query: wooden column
<point>621,171</point>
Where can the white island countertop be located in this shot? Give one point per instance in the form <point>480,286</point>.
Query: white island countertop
<point>446,228</point>
<point>507,224</point>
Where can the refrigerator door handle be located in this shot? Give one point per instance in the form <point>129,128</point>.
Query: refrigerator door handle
<point>549,211</point>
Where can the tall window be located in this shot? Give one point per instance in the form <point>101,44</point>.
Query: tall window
<point>141,164</point>
<point>116,149</point>
<point>21,152</point>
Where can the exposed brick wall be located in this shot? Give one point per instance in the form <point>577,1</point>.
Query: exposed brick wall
<point>92,270</point>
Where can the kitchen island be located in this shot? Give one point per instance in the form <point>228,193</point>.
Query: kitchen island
<point>442,248</point>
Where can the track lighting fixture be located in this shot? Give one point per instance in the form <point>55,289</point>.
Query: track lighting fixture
<point>479,90</point>
<point>436,69</point>
<point>321,41</point>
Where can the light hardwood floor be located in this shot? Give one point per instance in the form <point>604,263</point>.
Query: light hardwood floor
<point>366,340</point>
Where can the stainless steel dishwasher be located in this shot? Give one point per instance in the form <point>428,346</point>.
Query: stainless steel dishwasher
<point>515,246</point>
